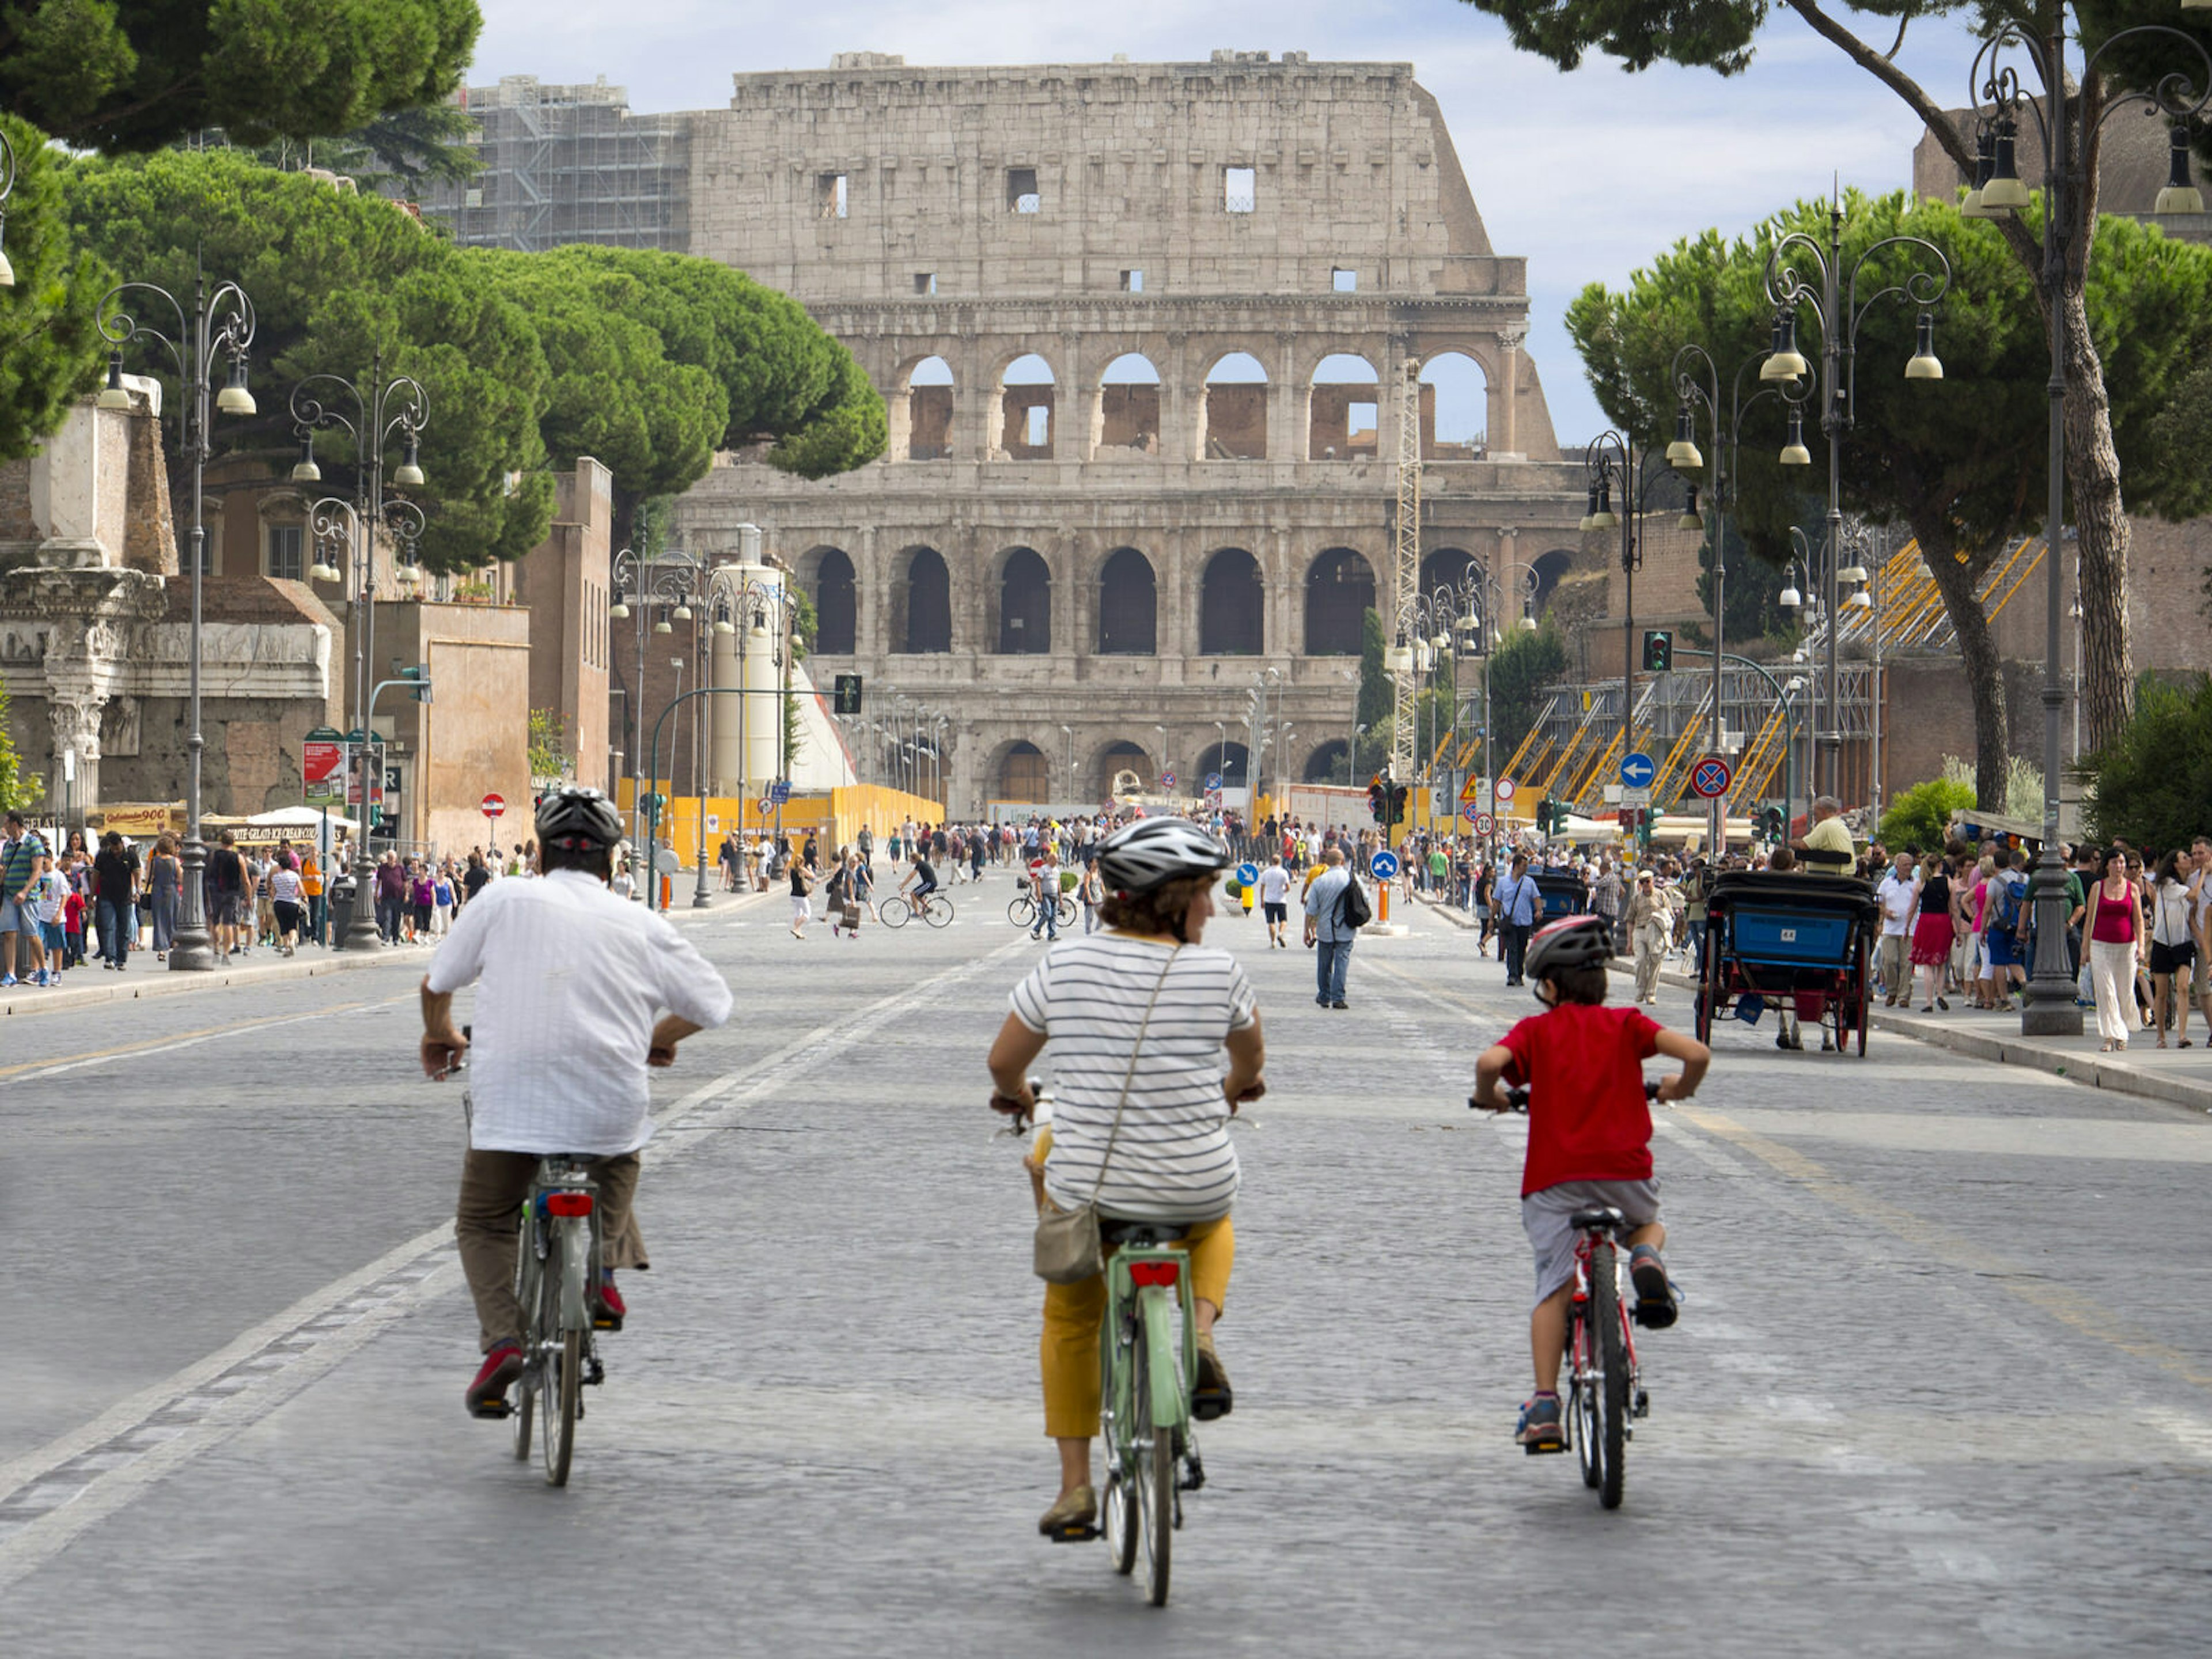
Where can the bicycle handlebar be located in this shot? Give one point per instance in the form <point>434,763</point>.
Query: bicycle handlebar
<point>1517,1098</point>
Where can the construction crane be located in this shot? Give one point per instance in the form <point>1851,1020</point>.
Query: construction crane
<point>1405,576</point>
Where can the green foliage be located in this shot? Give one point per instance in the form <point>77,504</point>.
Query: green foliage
<point>394,153</point>
<point>335,277</point>
<point>1701,33</point>
<point>1376,698</point>
<point>1915,820</point>
<point>548,745</point>
<point>2153,782</point>
<point>19,790</point>
<point>49,348</point>
<point>2023,785</point>
<point>134,75</point>
<point>1752,593</point>
<point>1520,667</point>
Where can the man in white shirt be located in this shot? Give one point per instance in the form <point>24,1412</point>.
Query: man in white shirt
<point>1275,901</point>
<point>570,981</point>
<point>1899,894</point>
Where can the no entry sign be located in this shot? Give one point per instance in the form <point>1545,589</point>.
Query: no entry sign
<point>493,806</point>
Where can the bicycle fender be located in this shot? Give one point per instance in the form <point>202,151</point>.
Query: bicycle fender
<point>1163,1357</point>
<point>575,1271</point>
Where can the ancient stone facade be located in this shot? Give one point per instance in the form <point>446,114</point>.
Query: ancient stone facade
<point>1142,331</point>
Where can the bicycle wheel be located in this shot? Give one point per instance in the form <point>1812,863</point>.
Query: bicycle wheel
<point>1067,911</point>
<point>1022,911</point>
<point>1612,1356</point>
<point>1154,1493</point>
<point>1584,1428</point>
<point>525,1396</point>
<point>939,911</point>
<point>893,912</point>
<point>559,1375</point>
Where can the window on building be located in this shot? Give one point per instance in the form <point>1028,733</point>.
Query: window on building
<point>1240,191</point>
<point>1038,432</point>
<point>924,282</point>
<point>1343,281</point>
<point>1133,282</point>
<point>829,195</point>
<point>286,552</point>
<point>1022,190</point>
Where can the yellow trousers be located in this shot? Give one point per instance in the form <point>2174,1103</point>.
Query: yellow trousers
<point>1069,1351</point>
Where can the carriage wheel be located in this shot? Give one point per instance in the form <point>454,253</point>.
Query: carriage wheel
<point>1866,999</point>
<point>1708,985</point>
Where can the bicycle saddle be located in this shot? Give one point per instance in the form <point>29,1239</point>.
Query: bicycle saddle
<point>1605,1219</point>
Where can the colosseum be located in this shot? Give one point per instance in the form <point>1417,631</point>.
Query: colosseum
<point>1143,331</point>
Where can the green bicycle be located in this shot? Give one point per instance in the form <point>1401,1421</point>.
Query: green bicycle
<point>1148,1356</point>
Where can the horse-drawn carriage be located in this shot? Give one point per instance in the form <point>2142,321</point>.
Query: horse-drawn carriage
<point>1806,938</point>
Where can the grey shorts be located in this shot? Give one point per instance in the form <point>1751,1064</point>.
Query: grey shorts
<point>15,918</point>
<point>1545,1217</point>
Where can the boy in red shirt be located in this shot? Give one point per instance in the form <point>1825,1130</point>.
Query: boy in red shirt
<point>1590,1137</point>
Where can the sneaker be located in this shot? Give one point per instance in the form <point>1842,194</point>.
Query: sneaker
<point>1340,1005</point>
<point>608,1309</point>
<point>487,1396</point>
<point>1211,1396</point>
<point>45,978</point>
<point>1540,1428</point>
<point>6,980</point>
<point>1074,1516</point>
<point>1655,1295</point>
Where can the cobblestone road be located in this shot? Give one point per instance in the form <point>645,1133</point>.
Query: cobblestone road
<point>1943,1385</point>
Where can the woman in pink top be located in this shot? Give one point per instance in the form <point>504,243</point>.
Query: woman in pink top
<point>2116,937</point>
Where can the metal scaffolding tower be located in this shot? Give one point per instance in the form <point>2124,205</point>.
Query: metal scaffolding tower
<point>1405,576</point>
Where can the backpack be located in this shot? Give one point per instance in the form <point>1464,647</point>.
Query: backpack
<point>1352,910</point>
<point>2006,918</point>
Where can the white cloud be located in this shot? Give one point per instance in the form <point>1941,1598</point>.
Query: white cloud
<point>1587,175</point>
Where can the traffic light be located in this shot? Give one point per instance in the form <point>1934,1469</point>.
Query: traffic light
<point>1398,793</point>
<point>1770,823</point>
<point>1375,807</point>
<point>1658,651</point>
<point>848,695</point>
<point>420,674</point>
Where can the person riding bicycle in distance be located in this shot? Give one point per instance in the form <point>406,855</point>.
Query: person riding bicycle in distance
<point>921,880</point>
<point>1140,1015</point>
<point>578,994</point>
<point>1590,1136</point>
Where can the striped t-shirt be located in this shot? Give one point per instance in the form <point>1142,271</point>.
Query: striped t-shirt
<point>1173,1160</point>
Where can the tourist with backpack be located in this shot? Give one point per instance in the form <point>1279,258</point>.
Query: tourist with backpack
<point>1336,910</point>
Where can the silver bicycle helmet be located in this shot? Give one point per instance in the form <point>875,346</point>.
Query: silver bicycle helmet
<point>1573,941</point>
<point>574,814</point>
<point>1143,855</point>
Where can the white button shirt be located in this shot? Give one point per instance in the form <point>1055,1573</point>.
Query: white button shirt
<point>571,982</point>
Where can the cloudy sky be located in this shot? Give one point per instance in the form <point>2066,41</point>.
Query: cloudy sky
<point>1586,174</point>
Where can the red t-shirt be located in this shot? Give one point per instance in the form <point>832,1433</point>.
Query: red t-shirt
<point>1588,1119</point>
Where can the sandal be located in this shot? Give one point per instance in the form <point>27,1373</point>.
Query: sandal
<point>1073,1519</point>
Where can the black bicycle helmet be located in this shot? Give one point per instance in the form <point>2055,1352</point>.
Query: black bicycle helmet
<point>577,819</point>
<point>1572,942</point>
<point>1152,852</point>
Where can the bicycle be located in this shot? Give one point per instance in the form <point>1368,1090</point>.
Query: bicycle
<point>557,1258</point>
<point>1023,912</point>
<point>1148,1359</point>
<point>1605,1381</point>
<point>934,908</point>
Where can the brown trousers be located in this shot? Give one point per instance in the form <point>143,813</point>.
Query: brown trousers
<point>494,1186</point>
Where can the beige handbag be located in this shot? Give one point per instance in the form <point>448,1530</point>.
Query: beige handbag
<point>1068,1249</point>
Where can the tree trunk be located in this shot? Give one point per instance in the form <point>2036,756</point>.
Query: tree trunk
<point>2100,522</point>
<point>1957,583</point>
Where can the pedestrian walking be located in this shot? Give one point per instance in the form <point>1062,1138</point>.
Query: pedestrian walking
<point>1513,903</point>
<point>2172,945</point>
<point>1900,896</point>
<point>165,879</point>
<point>115,884</point>
<point>287,899</point>
<point>2116,943</point>
<point>1935,930</point>
<point>1650,924</point>
<point>1332,927</point>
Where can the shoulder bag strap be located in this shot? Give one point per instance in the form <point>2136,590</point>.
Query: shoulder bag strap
<point>1129,1077</point>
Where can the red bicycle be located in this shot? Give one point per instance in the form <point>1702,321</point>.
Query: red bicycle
<point>1605,1383</point>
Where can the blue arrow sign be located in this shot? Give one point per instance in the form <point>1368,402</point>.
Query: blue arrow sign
<point>1385,866</point>
<point>1637,769</point>
<point>1247,874</point>
<point>1213,780</point>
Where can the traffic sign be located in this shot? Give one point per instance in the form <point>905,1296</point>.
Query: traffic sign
<point>1212,781</point>
<point>1505,790</point>
<point>1710,777</point>
<point>1247,874</point>
<point>1474,814</point>
<point>1637,769</point>
<point>1630,796</point>
<point>779,791</point>
<point>1167,779</point>
<point>1472,789</point>
<point>1484,824</point>
<point>493,806</point>
<point>766,806</point>
<point>1384,866</point>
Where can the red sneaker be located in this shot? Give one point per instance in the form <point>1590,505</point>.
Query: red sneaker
<point>608,1309</point>
<point>487,1396</point>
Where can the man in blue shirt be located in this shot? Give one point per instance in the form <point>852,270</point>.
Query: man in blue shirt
<point>1328,931</point>
<point>1513,901</point>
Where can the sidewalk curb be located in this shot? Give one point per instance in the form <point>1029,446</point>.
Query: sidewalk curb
<point>2091,1070</point>
<point>162,981</point>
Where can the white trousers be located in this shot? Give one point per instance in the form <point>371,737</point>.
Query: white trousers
<point>2113,971</point>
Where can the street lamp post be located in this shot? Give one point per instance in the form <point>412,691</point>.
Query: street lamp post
<point>648,587</point>
<point>1833,300</point>
<point>219,325</point>
<point>2050,1009</point>
<point>1613,458</point>
<point>382,409</point>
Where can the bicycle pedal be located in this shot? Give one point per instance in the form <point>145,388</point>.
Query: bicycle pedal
<point>1073,1535</point>
<point>1657,1315</point>
<point>1642,1405</point>
<point>1194,1475</point>
<point>491,1410</point>
<point>594,1374</point>
<point>1543,1448</point>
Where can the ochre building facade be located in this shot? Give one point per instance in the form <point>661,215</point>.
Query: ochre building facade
<point>1143,331</point>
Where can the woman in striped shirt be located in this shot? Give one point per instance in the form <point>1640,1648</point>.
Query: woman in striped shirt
<point>1172,1160</point>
